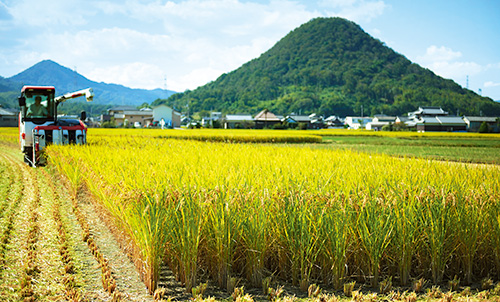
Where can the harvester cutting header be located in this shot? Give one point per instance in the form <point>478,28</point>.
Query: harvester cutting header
<point>39,125</point>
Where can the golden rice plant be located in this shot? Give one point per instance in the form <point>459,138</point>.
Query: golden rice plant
<point>375,225</point>
<point>217,135</point>
<point>9,135</point>
<point>255,237</point>
<point>493,215</point>
<point>185,221</point>
<point>469,217</point>
<point>220,233</point>
<point>407,237</point>
<point>147,221</point>
<point>256,210</point>
<point>438,228</point>
<point>298,226</point>
<point>336,231</point>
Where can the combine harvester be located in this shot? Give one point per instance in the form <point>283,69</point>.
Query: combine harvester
<point>39,125</point>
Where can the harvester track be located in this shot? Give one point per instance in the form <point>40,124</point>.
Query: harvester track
<point>54,246</point>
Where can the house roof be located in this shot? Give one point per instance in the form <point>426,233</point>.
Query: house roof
<point>377,124</point>
<point>429,110</point>
<point>266,115</point>
<point>136,112</point>
<point>357,119</point>
<point>429,120</point>
<point>384,118</point>
<point>442,120</point>
<point>332,118</point>
<point>487,119</point>
<point>6,112</point>
<point>238,117</point>
<point>122,108</point>
<point>300,118</point>
<point>450,120</point>
<point>402,118</point>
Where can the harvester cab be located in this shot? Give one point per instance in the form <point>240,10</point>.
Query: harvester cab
<point>39,125</point>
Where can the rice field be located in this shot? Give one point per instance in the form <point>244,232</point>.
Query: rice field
<point>263,212</point>
<point>210,135</point>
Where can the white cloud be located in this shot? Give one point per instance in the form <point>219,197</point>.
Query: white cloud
<point>194,42</point>
<point>440,54</point>
<point>355,10</point>
<point>493,66</point>
<point>375,32</point>
<point>138,42</point>
<point>490,84</point>
<point>455,70</point>
<point>49,13</point>
<point>4,12</point>
<point>136,75</point>
<point>445,62</point>
<point>451,64</point>
<point>195,78</point>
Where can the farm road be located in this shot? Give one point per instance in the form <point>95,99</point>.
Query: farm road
<point>43,255</point>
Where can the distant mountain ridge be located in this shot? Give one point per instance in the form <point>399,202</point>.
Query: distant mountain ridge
<point>331,66</point>
<point>65,80</point>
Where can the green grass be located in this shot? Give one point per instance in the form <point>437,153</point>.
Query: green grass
<point>452,148</point>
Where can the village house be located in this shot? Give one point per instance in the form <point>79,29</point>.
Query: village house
<point>238,121</point>
<point>357,122</point>
<point>8,118</point>
<point>334,122</point>
<point>171,118</point>
<point>427,111</point>
<point>380,121</point>
<point>474,122</point>
<point>266,119</point>
<point>208,121</point>
<point>294,119</point>
<point>432,118</point>
<point>128,115</point>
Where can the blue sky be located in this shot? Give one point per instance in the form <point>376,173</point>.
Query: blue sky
<point>184,44</point>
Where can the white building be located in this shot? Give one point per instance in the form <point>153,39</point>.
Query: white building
<point>171,117</point>
<point>380,121</point>
<point>209,121</point>
<point>357,122</point>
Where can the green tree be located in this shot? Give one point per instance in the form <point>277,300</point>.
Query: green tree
<point>330,66</point>
<point>484,128</point>
<point>144,105</point>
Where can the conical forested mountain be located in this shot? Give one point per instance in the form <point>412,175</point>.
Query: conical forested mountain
<point>331,66</point>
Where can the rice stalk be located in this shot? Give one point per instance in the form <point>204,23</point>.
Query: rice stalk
<point>375,225</point>
<point>335,230</point>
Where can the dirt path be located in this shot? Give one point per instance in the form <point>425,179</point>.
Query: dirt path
<point>53,246</point>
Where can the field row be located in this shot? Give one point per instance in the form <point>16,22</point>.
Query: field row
<point>42,254</point>
<point>307,215</point>
<point>459,147</point>
<point>32,266</point>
